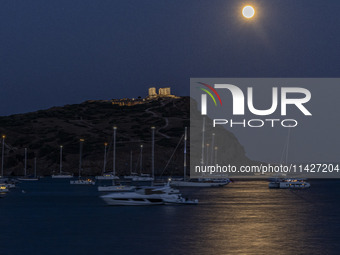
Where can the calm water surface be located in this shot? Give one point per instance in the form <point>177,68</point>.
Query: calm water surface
<point>246,217</point>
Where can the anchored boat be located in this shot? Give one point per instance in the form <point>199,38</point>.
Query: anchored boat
<point>80,180</point>
<point>26,177</point>
<point>148,196</point>
<point>289,184</point>
<point>61,175</point>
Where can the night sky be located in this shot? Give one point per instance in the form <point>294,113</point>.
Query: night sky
<point>61,52</point>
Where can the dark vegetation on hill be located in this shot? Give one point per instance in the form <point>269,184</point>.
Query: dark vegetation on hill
<point>43,132</point>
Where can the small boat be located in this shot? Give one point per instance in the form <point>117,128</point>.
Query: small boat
<point>142,178</point>
<point>83,182</point>
<point>108,176</point>
<point>3,188</point>
<point>289,184</point>
<point>131,176</point>
<point>148,196</point>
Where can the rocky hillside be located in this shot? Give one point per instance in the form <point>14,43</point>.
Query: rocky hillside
<point>43,132</point>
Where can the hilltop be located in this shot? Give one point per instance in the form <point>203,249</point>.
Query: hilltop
<point>43,132</point>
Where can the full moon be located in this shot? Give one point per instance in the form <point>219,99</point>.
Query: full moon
<point>248,12</point>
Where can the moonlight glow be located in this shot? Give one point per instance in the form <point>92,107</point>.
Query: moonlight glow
<point>248,12</point>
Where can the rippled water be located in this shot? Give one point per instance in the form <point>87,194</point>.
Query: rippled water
<point>246,217</point>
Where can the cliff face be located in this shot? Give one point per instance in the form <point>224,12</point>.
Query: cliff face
<point>43,132</point>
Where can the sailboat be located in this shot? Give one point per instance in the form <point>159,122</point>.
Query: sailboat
<point>141,180</point>
<point>196,182</point>
<point>114,187</point>
<point>81,181</point>
<point>105,175</point>
<point>288,183</point>
<point>61,175</point>
<point>29,178</point>
<point>144,179</point>
<point>132,174</point>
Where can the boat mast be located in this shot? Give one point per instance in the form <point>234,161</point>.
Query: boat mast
<point>288,138</point>
<point>185,153</point>
<point>207,155</point>
<point>2,156</point>
<point>80,155</point>
<point>35,167</point>
<point>130,162</point>
<point>61,159</point>
<point>203,130</point>
<point>25,161</point>
<point>114,151</point>
<point>216,148</point>
<point>104,168</point>
<point>141,159</point>
<point>212,149</point>
<point>153,153</point>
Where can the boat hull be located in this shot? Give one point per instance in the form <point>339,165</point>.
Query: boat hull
<point>131,203</point>
<point>116,188</point>
<point>62,176</point>
<point>197,184</point>
<point>289,185</point>
<point>296,185</point>
<point>28,179</point>
<point>274,185</point>
<point>81,182</point>
<point>109,177</point>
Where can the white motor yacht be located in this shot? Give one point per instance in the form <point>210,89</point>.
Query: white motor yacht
<point>148,196</point>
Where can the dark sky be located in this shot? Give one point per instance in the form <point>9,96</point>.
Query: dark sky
<point>67,51</point>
